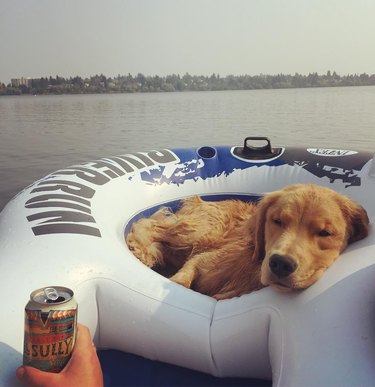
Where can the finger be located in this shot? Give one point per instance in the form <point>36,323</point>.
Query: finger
<point>84,363</point>
<point>84,352</point>
<point>83,338</point>
<point>31,376</point>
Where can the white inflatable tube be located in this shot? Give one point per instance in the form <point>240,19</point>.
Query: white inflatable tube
<point>68,229</point>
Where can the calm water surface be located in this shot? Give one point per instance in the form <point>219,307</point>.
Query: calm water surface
<point>41,134</point>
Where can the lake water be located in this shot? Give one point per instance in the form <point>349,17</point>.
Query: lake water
<point>41,134</point>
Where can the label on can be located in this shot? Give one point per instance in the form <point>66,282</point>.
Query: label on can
<point>50,328</point>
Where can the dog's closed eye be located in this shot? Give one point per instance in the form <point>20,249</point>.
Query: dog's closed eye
<point>324,233</point>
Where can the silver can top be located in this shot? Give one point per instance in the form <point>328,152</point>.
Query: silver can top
<point>51,295</point>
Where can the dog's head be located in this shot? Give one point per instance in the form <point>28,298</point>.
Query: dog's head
<point>300,231</point>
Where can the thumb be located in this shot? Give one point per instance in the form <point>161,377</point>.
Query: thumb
<point>31,376</point>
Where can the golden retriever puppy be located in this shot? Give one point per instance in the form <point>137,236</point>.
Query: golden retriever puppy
<point>229,248</point>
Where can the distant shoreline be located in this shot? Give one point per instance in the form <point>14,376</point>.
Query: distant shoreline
<point>184,91</point>
<point>100,84</point>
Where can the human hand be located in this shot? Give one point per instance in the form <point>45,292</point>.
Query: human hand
<point>82,370</point>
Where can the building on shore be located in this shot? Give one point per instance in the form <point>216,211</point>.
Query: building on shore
<point>17,82</point>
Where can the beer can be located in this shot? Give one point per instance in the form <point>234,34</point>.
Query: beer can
<point>50,328</point>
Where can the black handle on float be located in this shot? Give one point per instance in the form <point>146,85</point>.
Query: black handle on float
<point>253,152</point>
<point>249,150</point>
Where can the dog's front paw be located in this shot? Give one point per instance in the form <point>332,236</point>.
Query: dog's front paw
<point>225,295</point>
<point>182,278</point>
<point>151,256</point>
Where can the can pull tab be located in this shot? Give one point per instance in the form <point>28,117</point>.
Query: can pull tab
<point>51,294</point>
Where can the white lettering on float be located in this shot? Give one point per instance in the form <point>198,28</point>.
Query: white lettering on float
<point>331,152</point>
<point>64,206</point>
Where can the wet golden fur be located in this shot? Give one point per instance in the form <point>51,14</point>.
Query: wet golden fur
<point>229,248</point>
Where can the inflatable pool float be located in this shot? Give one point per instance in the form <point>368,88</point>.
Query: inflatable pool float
<point>68,229</point>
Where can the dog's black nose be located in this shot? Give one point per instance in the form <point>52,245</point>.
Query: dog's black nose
<point>282,265</point>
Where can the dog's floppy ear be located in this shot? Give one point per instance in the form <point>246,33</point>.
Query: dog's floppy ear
<point>358,221</point>
<point>258,223</point>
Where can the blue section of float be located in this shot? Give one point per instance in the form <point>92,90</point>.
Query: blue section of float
<point>124,370</point>
<point>216,162</point>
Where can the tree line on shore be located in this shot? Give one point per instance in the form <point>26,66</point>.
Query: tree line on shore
<point>172,83</point>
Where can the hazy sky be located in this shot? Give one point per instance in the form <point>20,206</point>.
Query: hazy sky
<point>88,37</point>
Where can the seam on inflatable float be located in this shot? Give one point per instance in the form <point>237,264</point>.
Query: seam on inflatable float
<point>97,290</point>
<point>214,365</point>
<point>249,310</point>
<point>161,300</point>
<point>276,367</point>
<point>279,368</point>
